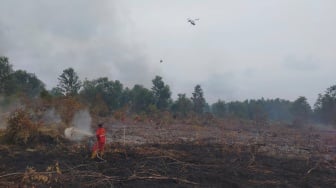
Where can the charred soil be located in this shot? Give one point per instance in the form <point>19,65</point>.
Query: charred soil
<point>179,164</point>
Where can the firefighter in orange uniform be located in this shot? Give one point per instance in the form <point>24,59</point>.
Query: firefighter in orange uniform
<point>98,148</point>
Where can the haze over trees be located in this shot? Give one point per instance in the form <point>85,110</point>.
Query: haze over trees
<point>105,97</point>
<point>301,110</point>
<point>5,71</point>
<point>182,106</point>
<point>18,82</point>
<point>325,106</point>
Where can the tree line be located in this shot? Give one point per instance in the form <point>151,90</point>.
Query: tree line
<point>104,97</point>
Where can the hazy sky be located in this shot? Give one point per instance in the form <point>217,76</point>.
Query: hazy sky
<point>239,49</point>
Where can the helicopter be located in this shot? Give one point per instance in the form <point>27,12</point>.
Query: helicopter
<point>192,21</point>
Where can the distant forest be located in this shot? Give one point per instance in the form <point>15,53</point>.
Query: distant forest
<point>104,97</point>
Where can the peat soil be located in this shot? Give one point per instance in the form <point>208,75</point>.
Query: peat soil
<point>181,164</point>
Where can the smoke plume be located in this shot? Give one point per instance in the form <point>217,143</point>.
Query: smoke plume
<point>81,126</point>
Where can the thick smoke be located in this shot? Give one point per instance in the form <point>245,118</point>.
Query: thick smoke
<point>46,37</point>
<point>124,40</point>
<point>81,126</point>
<point>82,120</point>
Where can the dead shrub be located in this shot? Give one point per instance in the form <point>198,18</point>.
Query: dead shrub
<point>67,107</point>
<point>119,115</point>
<point>33,178</point>
<point>166,118</point>
<point>20,129</point>
<point>140,118</point>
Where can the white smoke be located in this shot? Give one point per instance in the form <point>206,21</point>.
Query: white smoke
<point>81,126</point>
<point>7,105</point>
<point>50,117</point>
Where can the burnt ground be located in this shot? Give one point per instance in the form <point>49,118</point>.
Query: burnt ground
<point>183,164</point>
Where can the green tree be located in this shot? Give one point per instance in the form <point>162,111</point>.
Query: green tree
<point>110,92</point>
<point>257,110</point>
<point>28,84</point>
<point>161,93</point>
<point>141,99</point>
<point>56,92</point>
<point>261,110</point>
<point>117,92</point>
<point>238,109</point>
<point>22,83</point>
<point>5,71</point>
<point>69,82</point>
<point>219,109</point>
<point>325,106</point>
<point>198,100</point>
<point>125,99</point>
<point>301,110</point>
<point>182,106</point>
<point>277,109</point>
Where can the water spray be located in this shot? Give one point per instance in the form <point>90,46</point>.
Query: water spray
<point>74,133</point>
<point>81,126</point>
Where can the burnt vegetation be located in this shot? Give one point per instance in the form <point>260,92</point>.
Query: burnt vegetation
<point>154,140</point>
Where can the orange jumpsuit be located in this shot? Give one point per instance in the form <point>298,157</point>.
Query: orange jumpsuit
<point>101,139</point>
